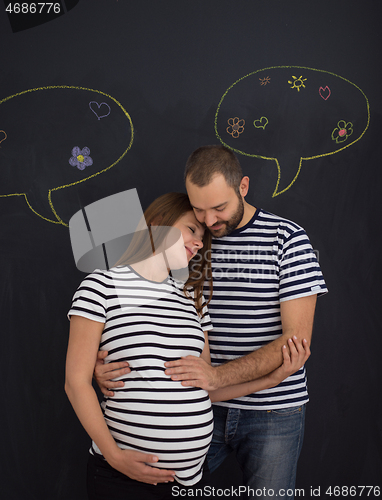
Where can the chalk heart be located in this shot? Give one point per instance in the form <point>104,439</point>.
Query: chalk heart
<point>262,123</point>
<point>100,110</point>
<point>325,92</point>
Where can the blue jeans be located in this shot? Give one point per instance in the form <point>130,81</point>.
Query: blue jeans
<point>267,445</point>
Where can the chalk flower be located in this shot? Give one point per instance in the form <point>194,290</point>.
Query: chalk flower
<point>236,127</point>
<point>80,158</point>
<point>342,131</point>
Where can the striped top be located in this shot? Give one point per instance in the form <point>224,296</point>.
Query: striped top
<point>148,323</point>
<point>254,268</point>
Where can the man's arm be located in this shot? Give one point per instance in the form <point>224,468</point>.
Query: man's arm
<point>293,359</point>
<point>297,322</point>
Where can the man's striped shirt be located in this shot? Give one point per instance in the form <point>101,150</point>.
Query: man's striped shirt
<point>254,268</point>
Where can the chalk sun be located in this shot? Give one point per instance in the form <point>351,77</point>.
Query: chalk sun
<point>297,82</point>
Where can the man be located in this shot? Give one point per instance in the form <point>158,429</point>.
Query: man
<point>265,283</point>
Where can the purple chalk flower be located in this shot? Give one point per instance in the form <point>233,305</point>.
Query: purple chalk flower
<point>80,158</point>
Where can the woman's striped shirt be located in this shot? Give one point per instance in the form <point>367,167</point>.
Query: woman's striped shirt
<point>148,323</point>
<point>254,269</point>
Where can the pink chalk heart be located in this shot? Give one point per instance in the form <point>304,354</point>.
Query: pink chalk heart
<point>325,92</point>
<point>100,110</point>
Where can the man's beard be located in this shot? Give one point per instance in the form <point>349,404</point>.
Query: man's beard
<point>231,224</point>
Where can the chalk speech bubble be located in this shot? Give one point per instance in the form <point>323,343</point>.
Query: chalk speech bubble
<point>57,137</point>
<point>289,114</point>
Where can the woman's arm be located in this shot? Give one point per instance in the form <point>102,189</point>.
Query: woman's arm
<point>84,339</point>
<point>293,359</point>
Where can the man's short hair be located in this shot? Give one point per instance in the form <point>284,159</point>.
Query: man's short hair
<point>207,161</point>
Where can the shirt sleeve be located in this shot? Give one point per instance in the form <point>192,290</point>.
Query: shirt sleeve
<point>205,320</point>
<point>300,273</point>
<point>90,299</point>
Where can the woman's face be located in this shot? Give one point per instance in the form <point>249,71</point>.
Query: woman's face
<point>186,247</point>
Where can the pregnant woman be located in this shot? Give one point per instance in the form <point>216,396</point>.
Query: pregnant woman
<point>153,429</point>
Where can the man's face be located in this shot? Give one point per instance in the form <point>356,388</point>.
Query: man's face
<point>216,205</point>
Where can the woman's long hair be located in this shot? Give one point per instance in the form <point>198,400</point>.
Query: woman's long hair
<point>164,212</point>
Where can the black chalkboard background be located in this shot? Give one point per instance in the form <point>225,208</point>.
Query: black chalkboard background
<point>168,63</point>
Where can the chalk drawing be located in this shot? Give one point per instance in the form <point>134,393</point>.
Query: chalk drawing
<point>297,82</point>
<point>236,126</point>
<point>342,132</point>
<point>80,158</point>
<point>96,108</point>
<point>291,127</point>
<point>2,133</point>
<point>325,92</point>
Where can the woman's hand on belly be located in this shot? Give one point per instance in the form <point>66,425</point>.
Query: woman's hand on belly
<point>134,465</point>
